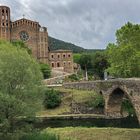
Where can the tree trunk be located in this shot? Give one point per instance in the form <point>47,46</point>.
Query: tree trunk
<point>86,74</point>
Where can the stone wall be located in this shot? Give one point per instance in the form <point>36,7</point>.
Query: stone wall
<point>129,87</point>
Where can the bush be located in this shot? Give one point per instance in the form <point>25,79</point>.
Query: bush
<point>38,136</point>
<point>97,101</point>
<point>128,107</point>
<point>74,77</point>
<point>52,99</point>
<point>46,70</point>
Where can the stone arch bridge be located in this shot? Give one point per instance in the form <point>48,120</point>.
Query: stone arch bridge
<point>113,92</point>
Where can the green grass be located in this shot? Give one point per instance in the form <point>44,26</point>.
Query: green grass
<point>79,133</point>
<point>82,133</point>
<point>45,136</point>
<point>30,136</point>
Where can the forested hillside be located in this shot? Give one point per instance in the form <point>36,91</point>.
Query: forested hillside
<point>56,44</point>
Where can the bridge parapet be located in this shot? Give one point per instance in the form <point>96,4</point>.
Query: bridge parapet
<point>133,84</point>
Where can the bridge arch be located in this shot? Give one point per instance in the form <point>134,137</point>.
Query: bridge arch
<point>113,104</point>
<point>129,87</point>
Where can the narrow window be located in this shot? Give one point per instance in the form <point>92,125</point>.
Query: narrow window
<point>52,65</point>
<point>2,11</point>
<point>58,64</point>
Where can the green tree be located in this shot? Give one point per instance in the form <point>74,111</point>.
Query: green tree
<point>129,34</point>
<point>10,108</point>
<point>76,57</point>
<point>20,80</point>
<point>86,63</point>
<point>124,61</point>
<point>100,64</point>
<point>46,70</point>
<point>124,56</point>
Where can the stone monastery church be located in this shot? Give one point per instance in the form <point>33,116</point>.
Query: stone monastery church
<point>36,38</point>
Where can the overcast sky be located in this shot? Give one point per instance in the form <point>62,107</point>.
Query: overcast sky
<point>87,23</point>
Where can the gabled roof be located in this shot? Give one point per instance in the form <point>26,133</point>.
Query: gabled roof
<point>25,20</point>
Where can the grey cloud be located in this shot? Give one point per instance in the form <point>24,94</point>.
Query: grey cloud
<point>87,23</point>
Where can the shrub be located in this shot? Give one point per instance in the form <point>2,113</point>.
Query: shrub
<point>74,77</point>
<point>96,101</point>
<point>52,99</point>
<point>128,107</point>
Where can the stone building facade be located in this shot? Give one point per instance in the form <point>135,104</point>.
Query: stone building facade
<point>62,59</point>
<point>36,38</point>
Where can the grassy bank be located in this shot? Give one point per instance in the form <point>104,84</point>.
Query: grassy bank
<point>81,102</point>
<point>79,133</point>
<point>69,96</point>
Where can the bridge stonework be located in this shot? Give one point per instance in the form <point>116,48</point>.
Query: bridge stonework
<point>113,92</point>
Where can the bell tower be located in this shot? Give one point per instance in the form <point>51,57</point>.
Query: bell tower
<point>5,23</point>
